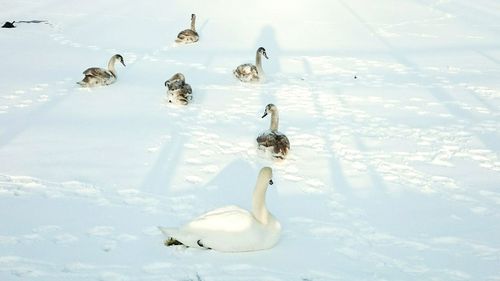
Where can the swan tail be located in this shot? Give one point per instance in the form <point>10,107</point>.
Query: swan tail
<point>281,147</point>
<point>169,234</point>
<point>172,242</point>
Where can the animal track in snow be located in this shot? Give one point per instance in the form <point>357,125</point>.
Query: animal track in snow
<point>157,267</point>
<point>37,94</point>
<point>194,179</point>
<point>101,231</point>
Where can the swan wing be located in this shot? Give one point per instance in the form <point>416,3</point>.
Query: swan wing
<point>246,69</point>
<point>187,33</point>
<point>278,141</point>
<point>226,219</point>
<point>187,36</point>
<point>213,230</point>
<point>281,143</point>
<point>98,72</point>
<point>267,139</point>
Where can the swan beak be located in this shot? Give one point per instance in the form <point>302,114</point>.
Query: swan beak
<point>265,114</point>
<point>265,55</point>
<point>271,182</point>
<point>166,83</point>
<point>123,63</point>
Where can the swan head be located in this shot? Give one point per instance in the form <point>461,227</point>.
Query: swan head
<point>266,174</point>
<point>119,58</point>
<point>176,78</point>
<point>262,51</point>
<point>193,16</point>
<point>269,109</point>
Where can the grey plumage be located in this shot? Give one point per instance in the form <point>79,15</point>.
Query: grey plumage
<point>96,76</point>
<point>178,91</point>
<point>272,138</point>
<point>252,73</point>
<point>189,35</point>
<point>277,141</point>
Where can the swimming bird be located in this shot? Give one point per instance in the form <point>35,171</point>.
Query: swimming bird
<point>252,73</point>
<point>273,139</point>
<point>189,35</point>
<point>96,76</point>
<point>231,228</point>
<point>8,24</point>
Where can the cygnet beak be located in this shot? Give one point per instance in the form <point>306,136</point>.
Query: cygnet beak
<point>265,114</point>
<point>271,182</point>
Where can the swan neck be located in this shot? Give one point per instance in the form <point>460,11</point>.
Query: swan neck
<point>111,65</point>
<point>260,211</point>
<point>258,63</point>
<point>274,121</point>
<point>193,22</point>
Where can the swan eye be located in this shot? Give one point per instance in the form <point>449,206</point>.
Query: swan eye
<point>271,182</point>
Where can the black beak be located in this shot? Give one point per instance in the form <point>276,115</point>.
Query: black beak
<point>265,55</point>
<point>123,63</point>
<point>271,182</point>
<point>166,83</point>
<point>265,114</point>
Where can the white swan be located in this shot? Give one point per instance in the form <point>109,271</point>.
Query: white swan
<point>232,229</point>
<point>252,73</point>
<point>189,35</point>
<point>96,76</point>
<point>179,92</point>
<point>272,138</point>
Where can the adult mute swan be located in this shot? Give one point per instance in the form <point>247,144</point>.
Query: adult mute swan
<point>231,228</point>
<point>96,76</point>
<point>272,138</point>
<point>252,73</point>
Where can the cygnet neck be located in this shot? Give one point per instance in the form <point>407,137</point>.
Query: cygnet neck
<point>258,63</point>
<point>111,65</point>
<point>274,119</point>
<point>193,22</point>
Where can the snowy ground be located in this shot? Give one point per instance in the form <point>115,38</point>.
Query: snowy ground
<point>394,175</point>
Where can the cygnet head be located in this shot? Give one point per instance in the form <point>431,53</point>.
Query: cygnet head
<point>119,58</point>
<point>269,109</point>
<point>193,16</point>
<point>262,51</point>
<point>266,174</point>
<point>176,78</point>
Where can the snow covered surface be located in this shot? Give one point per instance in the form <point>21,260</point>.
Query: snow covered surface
<point>393,175</point>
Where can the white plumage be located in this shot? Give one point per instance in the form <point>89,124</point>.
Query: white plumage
<point>231,228</point>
